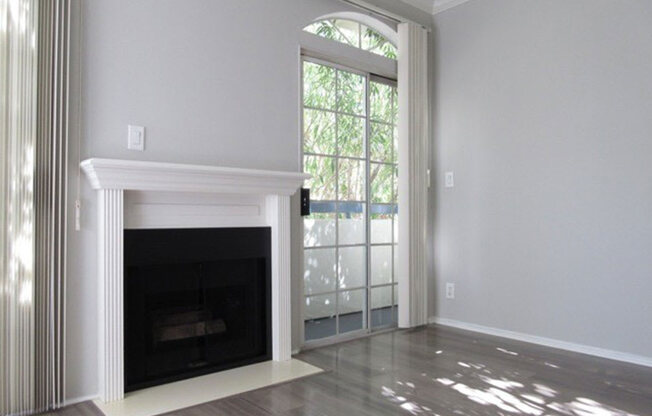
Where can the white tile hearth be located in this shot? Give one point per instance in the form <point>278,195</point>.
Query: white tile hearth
<point>194,391</point>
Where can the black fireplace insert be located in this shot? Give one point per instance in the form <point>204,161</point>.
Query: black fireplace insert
<point>196,301</point>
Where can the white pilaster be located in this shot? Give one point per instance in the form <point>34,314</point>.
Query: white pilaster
<point>278,214</point>
<point>110,274</point>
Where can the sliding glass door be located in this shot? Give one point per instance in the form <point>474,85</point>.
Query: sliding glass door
<point>350,237</point>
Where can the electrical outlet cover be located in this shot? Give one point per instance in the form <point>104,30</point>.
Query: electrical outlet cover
<point>450,290</point>
<point>449,179</point>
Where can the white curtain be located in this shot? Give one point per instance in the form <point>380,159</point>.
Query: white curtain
<point>34,51</point>
<point>413,132</point>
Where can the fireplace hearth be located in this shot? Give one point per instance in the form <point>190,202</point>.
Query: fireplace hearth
<point>196,301</point>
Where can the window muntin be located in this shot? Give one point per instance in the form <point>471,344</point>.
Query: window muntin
<point>353,34</point>
<point>350,237</point>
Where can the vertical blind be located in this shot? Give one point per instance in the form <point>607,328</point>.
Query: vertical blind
<point>414,135</point>
<point>18,84</point>
<point>34,50</point>
<point>50,198</point>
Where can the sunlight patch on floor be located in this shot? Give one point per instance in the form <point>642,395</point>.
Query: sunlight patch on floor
<point>507,351</point>
<point>500,391</point>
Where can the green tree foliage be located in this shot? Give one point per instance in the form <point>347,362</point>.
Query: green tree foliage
<point>318,86</point>
<point>353,34</point>
<point>335,122</point>
<point>373,41</point>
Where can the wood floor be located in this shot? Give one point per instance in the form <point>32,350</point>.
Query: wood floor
<point>442,371</point>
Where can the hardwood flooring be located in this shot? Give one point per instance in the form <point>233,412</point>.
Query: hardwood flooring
<point>442,371</point>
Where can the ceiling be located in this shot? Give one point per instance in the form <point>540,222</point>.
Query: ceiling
<point>434,6</point>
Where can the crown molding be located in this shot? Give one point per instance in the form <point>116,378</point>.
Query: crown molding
<point>427,6</point>
<point>443,5</point>
<point>434,6</point>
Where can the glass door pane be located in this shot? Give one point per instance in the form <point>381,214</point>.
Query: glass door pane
<point>383,177</point>
<point>349,236</point>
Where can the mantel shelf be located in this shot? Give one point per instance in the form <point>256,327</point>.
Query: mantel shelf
<point>173,177</point>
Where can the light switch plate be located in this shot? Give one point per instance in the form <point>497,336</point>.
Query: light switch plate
<point>449,179</point>
<point>136,138</point>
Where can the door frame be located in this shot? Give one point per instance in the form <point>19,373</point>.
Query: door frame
<point>306,56</point>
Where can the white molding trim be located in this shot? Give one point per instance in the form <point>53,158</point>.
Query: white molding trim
<point>425,5</point>
<point>111,294</point>
<point>375,24</point>
<point>278,216</point>
<point>322,48</point>
<point>136,194</point>
<point>548,342</point>
<point>138,175</point>
<point>443,5</point>
<point>145,209</point>
<point>384,14</point>
<point>434,6</point>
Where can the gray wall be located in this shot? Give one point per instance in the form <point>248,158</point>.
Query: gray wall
<point>543,109</point>
<point>213,81</point>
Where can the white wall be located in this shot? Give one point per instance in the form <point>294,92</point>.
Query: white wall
<point>213,81</point>
<point>544,113</point>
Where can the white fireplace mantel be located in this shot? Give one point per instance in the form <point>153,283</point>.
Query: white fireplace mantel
<point>139,194</point>
<point>158,176</point>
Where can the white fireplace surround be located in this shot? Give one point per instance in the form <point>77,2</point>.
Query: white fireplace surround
<point>138,194</point>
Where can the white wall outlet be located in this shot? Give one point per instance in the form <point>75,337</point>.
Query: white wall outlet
<point>449,179</point>
<point>136,138</point>
<point>450,290</point>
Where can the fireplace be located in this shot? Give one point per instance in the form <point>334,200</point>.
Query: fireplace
<point>196,301</point>
<point>155,196</point>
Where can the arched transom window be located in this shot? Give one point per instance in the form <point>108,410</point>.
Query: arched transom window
<point>354,34</point>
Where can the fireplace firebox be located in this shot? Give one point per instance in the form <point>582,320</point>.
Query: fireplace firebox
<point>196,301</point>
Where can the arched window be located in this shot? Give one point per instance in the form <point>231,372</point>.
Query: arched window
<point>354,34</point>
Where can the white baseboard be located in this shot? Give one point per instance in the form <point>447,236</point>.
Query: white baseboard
<point>548,342</point>
<point>533,339</point>
<point>75,400</point>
